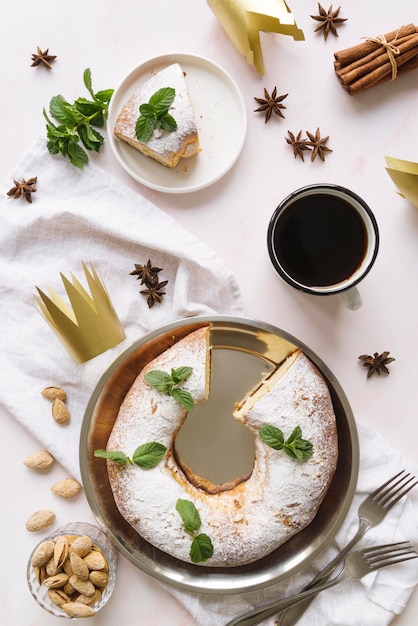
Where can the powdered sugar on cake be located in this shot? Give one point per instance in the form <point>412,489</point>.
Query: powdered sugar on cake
<point>170,146</point>
<point>249,521</point>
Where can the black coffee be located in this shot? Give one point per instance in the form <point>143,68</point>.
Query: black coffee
<point>320,240</point>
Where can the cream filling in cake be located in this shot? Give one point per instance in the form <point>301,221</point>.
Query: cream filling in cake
<point>165,147</point>
<point>254,517</point>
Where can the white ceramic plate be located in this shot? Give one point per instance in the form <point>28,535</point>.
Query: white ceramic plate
<point>221,118</point>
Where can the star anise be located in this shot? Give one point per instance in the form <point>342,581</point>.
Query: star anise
<point>376,363</point>
<point>329,20</point>
<point>146,273</point>
<point>298,144</point>
<point>270,104</point>
<point>318,145</point>
<point>24,189</point>
<point>43,57</point>
<point>154,293</point>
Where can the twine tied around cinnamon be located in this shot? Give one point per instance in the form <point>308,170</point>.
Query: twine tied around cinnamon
<point>390,49</point>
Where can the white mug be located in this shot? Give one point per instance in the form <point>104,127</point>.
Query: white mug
<point>323,239</point>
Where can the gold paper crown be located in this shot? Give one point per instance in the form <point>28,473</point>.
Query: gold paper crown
<point>242,21</point>
<point>91,326</point>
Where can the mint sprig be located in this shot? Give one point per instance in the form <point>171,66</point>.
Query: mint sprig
<point>146,456</point>
<point>294,446</point>
<point>76,123</point>
<point>202,547</point>
<point>169,384</point>
<point>154,114</point>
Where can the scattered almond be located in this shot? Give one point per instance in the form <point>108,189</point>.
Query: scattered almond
<point>67,488</point>
<point>39,460</point>
<point>40,520</point>
<point>52,393</point>
<point>60,412</point>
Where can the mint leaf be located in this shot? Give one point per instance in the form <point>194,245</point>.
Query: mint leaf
<point>160,380</point>
<point>87,81</point>
<point>181,374</point>
<point>76,121</point>
<point>294,446</point>
<point>60,109</point>
<point>168,123</point>
<point>117,456</point>
<point>189,514</point>
<point>272,437</point>
<point>201,548</point>
<point>144,128</point>
<point>166,383</point>
<point>148,455</point>
<point>183,397</point>
<point>162,100</point>
<point>154,114</point>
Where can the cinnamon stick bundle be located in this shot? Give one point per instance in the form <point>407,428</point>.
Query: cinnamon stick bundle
<point>377,60</point>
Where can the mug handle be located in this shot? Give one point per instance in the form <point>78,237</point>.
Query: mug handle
<point>351,298</point>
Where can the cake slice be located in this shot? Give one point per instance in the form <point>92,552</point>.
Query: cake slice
<point>165,147</point>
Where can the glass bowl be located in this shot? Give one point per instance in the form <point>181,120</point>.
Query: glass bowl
<point>36,576</point>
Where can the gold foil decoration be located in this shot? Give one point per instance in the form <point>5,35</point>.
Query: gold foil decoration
<point>405,176</point>
<point>242,21</point>
<point>90,325</point>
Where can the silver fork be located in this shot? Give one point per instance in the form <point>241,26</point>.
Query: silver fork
<point>357,564</point>
<point>371,512</point>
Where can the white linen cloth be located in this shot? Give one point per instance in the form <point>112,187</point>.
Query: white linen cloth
<point>85,215</point>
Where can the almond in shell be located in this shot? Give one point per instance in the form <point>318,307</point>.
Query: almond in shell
<point>40,520</point>
<point>56,581</point>
<point>82,545</point>
<point>79,566</point>
<point>43,553</point>
<point>67,488</point>
<point>85,587</point>
<point>61,550</point>
<point>78,609</point>
<point>52,393</point>
<point>60,412</point>
<point>39,460</point>
<point>58,597</point>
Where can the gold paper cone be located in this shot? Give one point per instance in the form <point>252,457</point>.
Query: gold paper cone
<point>405,176</point>
<point>242,21</point>
<point>90,325</point>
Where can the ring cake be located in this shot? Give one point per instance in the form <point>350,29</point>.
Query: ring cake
<point>165,147</point>
<point>253,516</point>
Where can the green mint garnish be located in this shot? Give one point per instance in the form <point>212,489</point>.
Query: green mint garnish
<point>202,547</point>
<point>149,454</point>
<point>168,384</point>
<point>76,122</point>
<point>294,445</point>
<point>154,114</point>
<point>117,456</point>
<point>146,456</point>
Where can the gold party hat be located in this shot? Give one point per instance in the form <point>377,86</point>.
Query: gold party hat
<point>90,325</point>
<point>405,176</point>
<point>242,21</point>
